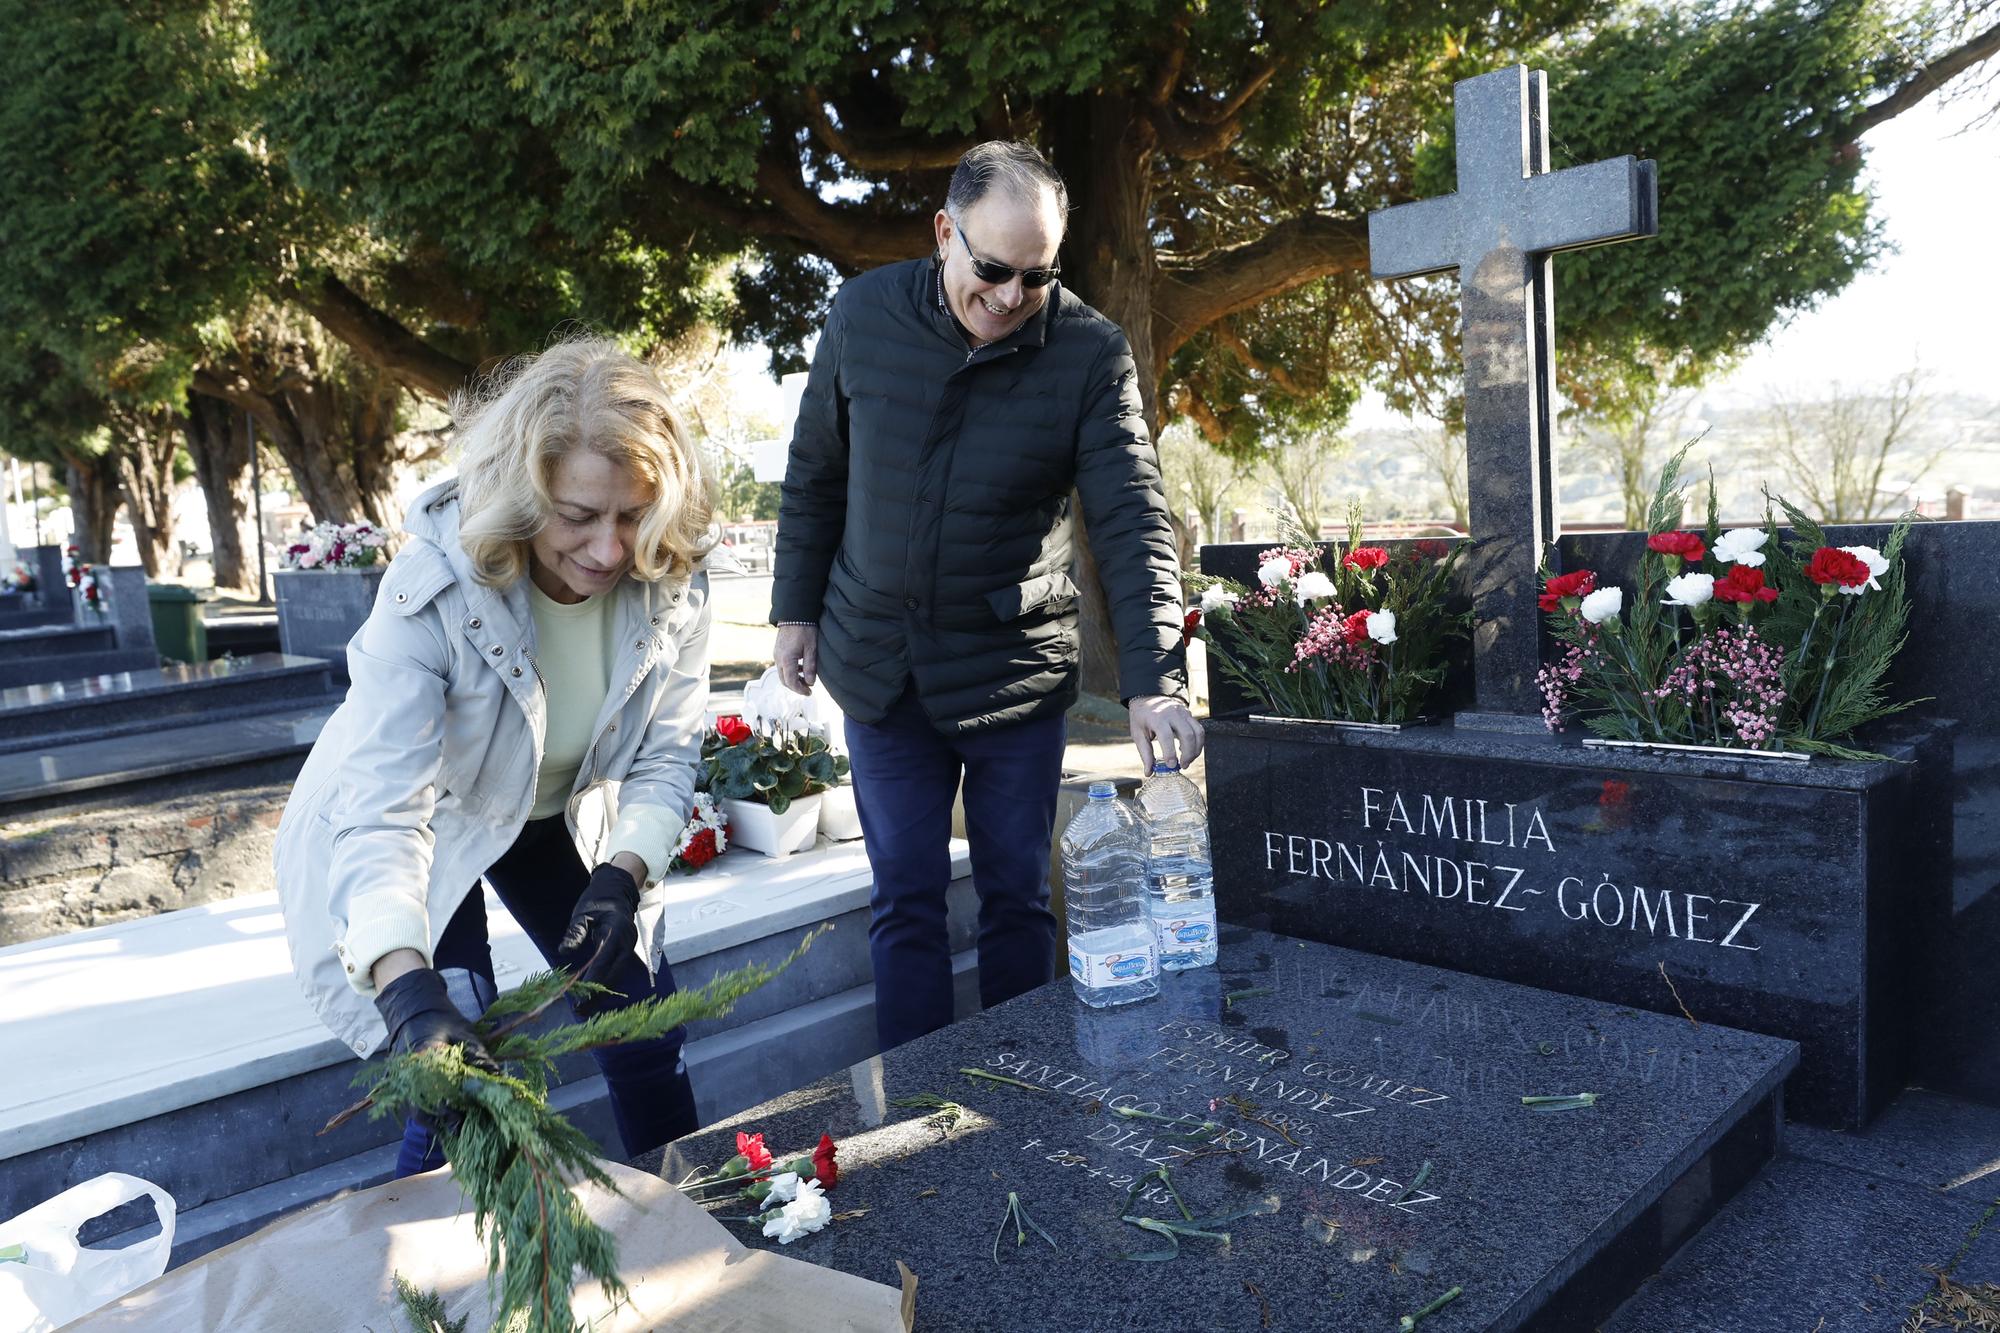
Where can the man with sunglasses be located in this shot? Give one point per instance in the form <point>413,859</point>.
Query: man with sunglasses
<point>958,410</point>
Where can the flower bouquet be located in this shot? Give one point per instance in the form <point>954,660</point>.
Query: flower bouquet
<point>79,574</point>
<point>1738,639</point>
<point>1352,635</point>
<point>705,837</point>
<point>789,1198</point>
<point>21,578</point>
<point>337,546</point>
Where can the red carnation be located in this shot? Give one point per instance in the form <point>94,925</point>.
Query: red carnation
<point>1366,557</point>
<point>1683,544</point>
<point>1355,627</point>
<point>1831,565</point>
<point>1429,549</point>
<point>732,728</point>
<point>1744,584</point>
<point>1188,625</point>
<point>1566,585</point>
<point>751,1148</point>
<point>825,1169</point>
<point>700,850</point>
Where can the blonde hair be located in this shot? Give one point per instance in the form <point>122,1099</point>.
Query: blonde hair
<point>517,425</point>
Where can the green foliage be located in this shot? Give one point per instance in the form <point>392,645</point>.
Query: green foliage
<point>741,497</point>
<point>1836,680</point>
<point>773,771</point>
<point>1745,105</point>
<point>1255,638</point>
<point>426,1309</point>
<point>514,1156</point>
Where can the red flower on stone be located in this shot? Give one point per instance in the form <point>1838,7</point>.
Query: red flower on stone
<point>1615,792</point>
<point>825,1169</point>
<point>1429,549</point>
<point>1366,557</point>
<point>1355,627</point>
<point>1577,584</point>
<point>700,850</point>
<point>732,728</point>
<point>1744,584</point>
<point>1189,624</point>
<point>751,1148</point>
<point>1831,565</point>
<point>1683,544</point>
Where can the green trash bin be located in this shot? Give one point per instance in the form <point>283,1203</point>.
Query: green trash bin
<point>178,631</point>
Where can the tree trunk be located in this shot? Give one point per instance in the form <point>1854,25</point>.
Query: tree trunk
<point>145,461</point>
<point>218,440</point>
<point>335,433</point>
<point>93,499</point>
<point>1103,146</point>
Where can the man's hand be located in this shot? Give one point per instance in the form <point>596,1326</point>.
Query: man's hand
<point>602,929</point>
<point>1164,731</point>
<point>798,657</point>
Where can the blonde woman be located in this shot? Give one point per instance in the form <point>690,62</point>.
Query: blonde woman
<point>527,706</point>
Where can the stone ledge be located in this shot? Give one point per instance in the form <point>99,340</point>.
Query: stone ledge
<point>208,1005</point>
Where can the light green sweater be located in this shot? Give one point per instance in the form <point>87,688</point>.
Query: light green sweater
<point>573,648</point>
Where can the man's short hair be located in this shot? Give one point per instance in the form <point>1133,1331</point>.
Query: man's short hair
<point>1013,164</point>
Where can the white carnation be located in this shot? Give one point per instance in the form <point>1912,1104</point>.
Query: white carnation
<point>1215,595</point>
<point>1311,586</point>
<point>1382,626</point>
<point>1603,605</point>
<point>1690,590</point>
<point>1274,571</point>
<point>1741,546</point>
<point>1877,566</point>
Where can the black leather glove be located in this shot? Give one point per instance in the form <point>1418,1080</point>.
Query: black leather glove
<point>602,930</point>
<point>420,1014</point>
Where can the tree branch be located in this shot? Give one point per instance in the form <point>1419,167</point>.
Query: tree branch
<point>867,150</point>
<point>1291,254</point>
<point>378,337</point>
<point>844,233</point>
<point>1172,62</point>
<point>1185,400</point>
<point>1197,131</point>
<point>1227,337</point>
<point>1928,79</point>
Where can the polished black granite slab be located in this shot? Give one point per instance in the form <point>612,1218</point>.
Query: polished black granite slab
<point>1781,898</point>
<point>1314,1079</point>
<point>98,707</point>
<point>66,769</point>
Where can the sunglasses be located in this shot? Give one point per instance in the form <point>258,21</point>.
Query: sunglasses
<point>988,271</point>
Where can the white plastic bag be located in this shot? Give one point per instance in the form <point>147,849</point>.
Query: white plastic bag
<point>60,1279</point>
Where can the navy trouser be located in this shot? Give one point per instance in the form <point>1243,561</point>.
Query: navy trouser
<point>905,774</point>
<point>539,880</point>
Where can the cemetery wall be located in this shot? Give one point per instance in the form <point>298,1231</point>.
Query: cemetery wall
<point>66,869</point>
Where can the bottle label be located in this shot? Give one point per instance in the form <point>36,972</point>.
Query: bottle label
<point>1119,967</point>
<point>1183,933</point>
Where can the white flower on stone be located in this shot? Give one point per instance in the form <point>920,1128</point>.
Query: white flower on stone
<point>807,1212</point>
<point>1741,546</point>
<point>1274,571</point>
<point>1603,605</point>
<point>1382,626</point>
<point>1311,586</point>
<point>1877,566</point>
<point>785,1187</point>
<point>1690,589</point>
<point>1215,595</point>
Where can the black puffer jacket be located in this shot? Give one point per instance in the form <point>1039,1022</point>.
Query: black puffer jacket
<point>926,524</point>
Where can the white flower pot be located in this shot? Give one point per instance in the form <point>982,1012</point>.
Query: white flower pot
<point>754,828</point>
<point>839,816</point>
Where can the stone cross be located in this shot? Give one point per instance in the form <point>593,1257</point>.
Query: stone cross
<point>1511,213</point>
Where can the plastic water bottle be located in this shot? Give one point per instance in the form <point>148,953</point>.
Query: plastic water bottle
<point>1112,958</point>
<point>1180,878</point>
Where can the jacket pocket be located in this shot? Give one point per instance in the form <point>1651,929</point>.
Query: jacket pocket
<point>1053,591</point>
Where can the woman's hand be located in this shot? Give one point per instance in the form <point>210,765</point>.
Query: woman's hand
<point>603,928</point>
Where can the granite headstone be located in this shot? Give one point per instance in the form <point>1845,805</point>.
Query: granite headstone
<point>1368,1112</point>
<point>319,610</point>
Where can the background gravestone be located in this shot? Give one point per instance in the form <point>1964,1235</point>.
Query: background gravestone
<point>319,610</point>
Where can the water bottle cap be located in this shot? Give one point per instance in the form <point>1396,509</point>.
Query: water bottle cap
<point>1103,790</point>
<point>1166,768</point>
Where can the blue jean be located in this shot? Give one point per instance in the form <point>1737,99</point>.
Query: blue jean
<point>905,773</point>
<point>539,879</point>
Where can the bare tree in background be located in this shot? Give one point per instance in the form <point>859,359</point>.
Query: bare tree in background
<point>1198,477</point>
<point>1630,439</point>
<point>1835,452</point>
<point>1444,450</point>
<point>1297,468</point>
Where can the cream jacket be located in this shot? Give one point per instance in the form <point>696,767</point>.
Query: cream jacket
<point>425,775</point>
